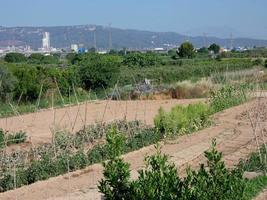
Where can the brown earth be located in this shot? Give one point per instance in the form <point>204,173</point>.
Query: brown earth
<point>39,125</point>
<point>231,128</point>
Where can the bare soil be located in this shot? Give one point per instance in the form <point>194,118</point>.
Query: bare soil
<point>231,128</point>
<point>40,125</point>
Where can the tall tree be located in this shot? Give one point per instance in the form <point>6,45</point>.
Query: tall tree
<point>215,48</point>
<point>186,50</point>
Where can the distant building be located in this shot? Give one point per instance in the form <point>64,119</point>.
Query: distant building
<point>46,41</point>
<point>82,50</point>
<point>74,48</point>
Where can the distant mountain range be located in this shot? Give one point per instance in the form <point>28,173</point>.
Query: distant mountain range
<point>64,36</point>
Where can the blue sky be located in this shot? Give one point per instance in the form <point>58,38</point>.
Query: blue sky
<point>245,18</point>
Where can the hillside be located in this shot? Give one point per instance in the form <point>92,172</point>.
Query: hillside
<point>64,36</point>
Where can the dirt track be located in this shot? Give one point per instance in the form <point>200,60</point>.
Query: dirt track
<point>232,130</point>
<point>39,125</point>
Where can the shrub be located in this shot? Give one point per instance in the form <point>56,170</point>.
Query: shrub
<point>29,83</point>
<point>15,57</point>
<point>141,59</point>
<point>258,62</point>
<point>159,180</point>
<point>7,84</point>
<point>257,161</point>
<point>215,181</point>
<point>98,71</point>
<point>182,119</point>
<point>186,50</point>
<point>228,96</point>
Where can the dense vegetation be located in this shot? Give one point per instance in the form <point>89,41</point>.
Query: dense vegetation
<point>181,120</point>
<point>159,178</point>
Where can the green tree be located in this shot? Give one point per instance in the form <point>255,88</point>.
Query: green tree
<point>203,50</point>
<point>15,57</point>
<point>28,85</point>
<point>35,58</point>
<point>141,59</point>
<point>215,48</point>
<point>7,84</point>
<point>98,71</point>
<point>70,57</point>
<point>186,50</point>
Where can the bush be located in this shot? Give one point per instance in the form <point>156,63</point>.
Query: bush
<point>258,62</point>
<point>29,83</point>
<point>98,71</point>
<point>37,58</point>
<point>141,59</point>
<point>15,57</point>
<point>228,96</point>
<point>186,50</point>
<point>159,180</point>
<point>7,84</point>
<point>182,119</point>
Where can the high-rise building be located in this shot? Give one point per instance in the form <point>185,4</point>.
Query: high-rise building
<point>46,41</point>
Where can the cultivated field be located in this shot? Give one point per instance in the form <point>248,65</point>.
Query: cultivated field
<point>231,128</point>
<point>40,125</point>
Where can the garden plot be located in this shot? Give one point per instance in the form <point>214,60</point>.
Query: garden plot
<point>231,128</point>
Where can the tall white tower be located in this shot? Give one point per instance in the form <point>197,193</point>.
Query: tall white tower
<point>46,41</point>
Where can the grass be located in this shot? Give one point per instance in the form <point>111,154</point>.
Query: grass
<point>182,119</point>
<point>11,138</point>
<point>254,187</point>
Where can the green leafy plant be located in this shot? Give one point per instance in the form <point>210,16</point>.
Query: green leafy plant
<point>159,180</point>
<point>228,96</point>
<point>182,119</point>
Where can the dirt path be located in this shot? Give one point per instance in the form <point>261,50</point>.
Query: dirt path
<point>232,130</point>
<point>39,125</point>
<point>262,195</point>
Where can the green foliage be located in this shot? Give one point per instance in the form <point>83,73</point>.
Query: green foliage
<point>11,138</point>
<point>117,173</point>
<point>265,63</point>
<point>186,50</point>
<point>7,84</point>
<point>67,159</point>
<point>141,59</point>
<point>159,180</point>
<point>257,161</point>
<point>228,96</point>
<point>15,57</point>
<point>186,69</point>
<point>71,57</point>
<point>182,119</point>
<point>215,48</point>
<point>215,181</point>
<point>37,58</point>
<point>203,50</point>
<point>254,187</point>
<point>98,71</point>
<point>28,85</point>
<point>258,62</point>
